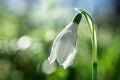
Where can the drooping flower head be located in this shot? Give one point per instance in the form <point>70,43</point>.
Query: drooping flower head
<point>64,47</point>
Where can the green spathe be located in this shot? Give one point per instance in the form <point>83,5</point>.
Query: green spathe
<point>77,18</point>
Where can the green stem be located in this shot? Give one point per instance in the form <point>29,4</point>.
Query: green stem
<point>94,42</point>
<point>94,71</point>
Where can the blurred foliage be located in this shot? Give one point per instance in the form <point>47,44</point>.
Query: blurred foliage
<point>26,39</point>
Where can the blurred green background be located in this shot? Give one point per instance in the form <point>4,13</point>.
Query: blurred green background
<point>28,28</point>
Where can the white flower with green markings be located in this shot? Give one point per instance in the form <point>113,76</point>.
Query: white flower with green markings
<point>64,47</point>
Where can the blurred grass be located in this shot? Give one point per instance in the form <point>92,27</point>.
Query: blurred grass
<point>26,64</point>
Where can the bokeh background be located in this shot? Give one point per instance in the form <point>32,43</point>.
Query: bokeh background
<point>28,28</point>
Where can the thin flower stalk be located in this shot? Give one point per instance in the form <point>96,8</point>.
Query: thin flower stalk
<point>94,42</point>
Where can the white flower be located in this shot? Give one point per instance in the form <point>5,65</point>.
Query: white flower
<point>64,47</point>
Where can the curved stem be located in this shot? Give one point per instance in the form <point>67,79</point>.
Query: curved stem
<point>94,42</point>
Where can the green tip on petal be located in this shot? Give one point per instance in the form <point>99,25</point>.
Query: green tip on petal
<point>77,18</point>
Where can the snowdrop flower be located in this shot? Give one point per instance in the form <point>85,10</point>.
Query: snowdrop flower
<point>64,47</point>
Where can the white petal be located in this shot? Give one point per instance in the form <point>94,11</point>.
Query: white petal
<point>67,43</point>
<point>53,54</point>
<point>63,44</point>
<point>69,59</point>
<point>65,47</point>
<point>71,56</point>
<point>55,46</point>
<point>73,27</point>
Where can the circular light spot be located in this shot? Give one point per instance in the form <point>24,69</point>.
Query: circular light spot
<point>24,42</point>
<point>48,68</point>
<point>49,35</point>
